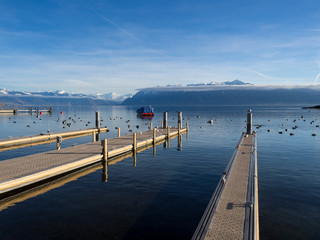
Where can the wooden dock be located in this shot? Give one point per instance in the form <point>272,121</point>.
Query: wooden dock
<point>20,172</point>
<point>29,110</point>
<point>73,176</point>
<point>13,143</point>
<point>232,212</point>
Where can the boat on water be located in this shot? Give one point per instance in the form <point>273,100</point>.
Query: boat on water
<point>145,111</point>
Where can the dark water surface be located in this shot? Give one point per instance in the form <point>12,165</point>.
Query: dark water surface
<point>165,195</point>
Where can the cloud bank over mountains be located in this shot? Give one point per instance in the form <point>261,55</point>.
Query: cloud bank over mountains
<point>64,94</point>
<point>228,85</point>
<point>213,93</point>
<point>228,93</point>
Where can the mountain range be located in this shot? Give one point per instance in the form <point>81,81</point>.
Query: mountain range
<point>59,97</point>
<point>214,93</point>
<point>227,93</point>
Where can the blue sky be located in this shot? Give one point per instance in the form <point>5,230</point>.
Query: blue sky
<point>103,46</point>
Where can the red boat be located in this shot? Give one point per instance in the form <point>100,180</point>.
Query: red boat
<point>146,111</point>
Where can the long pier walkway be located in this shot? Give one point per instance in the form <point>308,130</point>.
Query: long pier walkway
<point>232,212</point>
<point>18,142</point>
<point>20,172</point>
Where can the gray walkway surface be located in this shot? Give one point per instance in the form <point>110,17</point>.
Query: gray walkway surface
<point>229,216</point>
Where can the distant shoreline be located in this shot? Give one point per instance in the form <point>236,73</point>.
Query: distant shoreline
<point>314,107</point>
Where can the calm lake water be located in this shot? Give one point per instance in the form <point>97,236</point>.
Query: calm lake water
<point>165,195</point>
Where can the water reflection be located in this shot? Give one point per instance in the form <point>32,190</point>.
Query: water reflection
<point>139,115</point>
<point>135,159</point>
<point>179,142</point>
<point>104,175</point>
<point>11,201</point>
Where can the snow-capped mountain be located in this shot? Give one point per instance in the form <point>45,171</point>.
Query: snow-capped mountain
<point>232,83</point>
<point>58,97</point>
<point>113,96</point>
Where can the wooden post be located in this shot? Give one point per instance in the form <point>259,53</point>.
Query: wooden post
<point>179,129</point>
<point>151,126</point>
<point>105,150</point>
<point>187,126</point>
<point>168,137</point>
<point>154,141</point>
<point>118,131</point>
<point>154,136</point>
<point>98,136</point>
<point>59,140</point>
<point>104,144</point>
<point>134,142</point>
<point>93,136</point>
<point>249,122</point>
<point>165,119</point>
<point>97,120</point>
<point>161,123</point>
<point>180,119</point>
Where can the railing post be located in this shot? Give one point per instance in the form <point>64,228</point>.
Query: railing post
<point>168,137</point>
<point>134,142</point>
<point>151,126</point>
<point>165,119</point>
<point>154,136</point>
<point>180,119</point>
<point>249,122</point>
<point>187,126</point>
<point>118,131</point>
<point>104,145</point>
<point>59,140</point>
<point>93,136</point>
<point>105,150</point>
<point>97,120</point>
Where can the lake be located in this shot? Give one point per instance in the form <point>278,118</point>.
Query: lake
<point>164,196</point>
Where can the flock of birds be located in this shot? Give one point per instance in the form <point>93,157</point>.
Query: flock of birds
<point>74,119</point>
<point>290,130</point>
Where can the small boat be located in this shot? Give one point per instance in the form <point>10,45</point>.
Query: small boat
<point>145,111</point>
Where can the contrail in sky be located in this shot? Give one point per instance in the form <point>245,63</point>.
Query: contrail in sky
<point>113,23</point>
<point>117,26</point>
<point>316,79</point>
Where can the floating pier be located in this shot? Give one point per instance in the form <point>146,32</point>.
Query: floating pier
<point>61,180</point>
<point>20,172</point>
<point>29,110</point>
<point>13,143</point>
<point>232,212</point>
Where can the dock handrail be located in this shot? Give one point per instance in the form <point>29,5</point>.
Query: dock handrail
<point>204,223</point>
